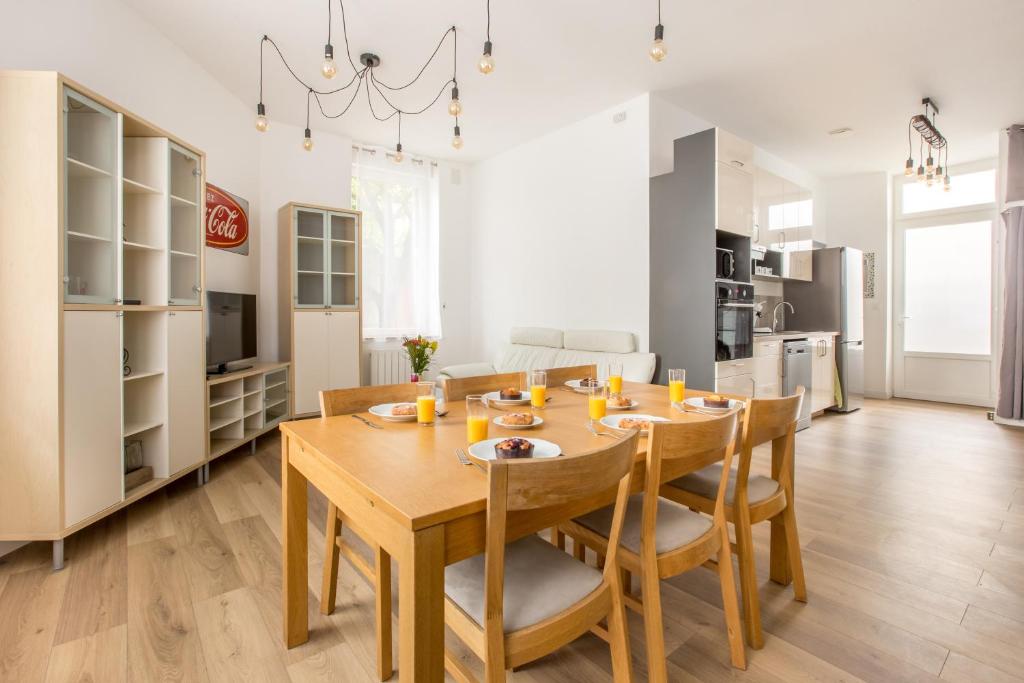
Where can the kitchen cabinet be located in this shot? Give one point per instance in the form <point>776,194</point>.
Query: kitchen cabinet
<point>767,369</point>
<point>735,377</point>
<point>783,224</point>
<point>823,363</point>
<point>734,180</point>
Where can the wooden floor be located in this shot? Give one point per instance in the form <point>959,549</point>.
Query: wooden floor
<point>911,517</point>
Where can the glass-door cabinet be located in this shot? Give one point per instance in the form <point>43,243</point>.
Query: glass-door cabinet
<point>92,206</point>
<point>326,259</point>
<point>344,261</point>
<point>185,227</point>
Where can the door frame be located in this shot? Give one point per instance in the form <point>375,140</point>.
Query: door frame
<point>901,224</point>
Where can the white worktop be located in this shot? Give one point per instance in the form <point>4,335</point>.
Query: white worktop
<point>792,335</point>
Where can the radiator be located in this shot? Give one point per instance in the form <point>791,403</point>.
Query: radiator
<point>389,366</point>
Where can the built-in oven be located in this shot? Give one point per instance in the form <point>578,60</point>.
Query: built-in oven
<point>734,329</point>
<point>725,264</point>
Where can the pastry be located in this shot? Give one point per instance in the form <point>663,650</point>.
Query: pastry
<point>634,423</point>
<point>510,394</point>
<point>513,448</point>
<point>716,401</point>
<point>519,419</point>
<point>588,382</point>
<point>403,409</point>
<point>620,401</point>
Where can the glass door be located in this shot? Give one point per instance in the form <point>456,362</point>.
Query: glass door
<point>185,227</point>
<point>343,261</point>
<point>92,206</point>
<point>311,258</point>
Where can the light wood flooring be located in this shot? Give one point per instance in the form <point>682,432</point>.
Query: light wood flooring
<point>911,519</point>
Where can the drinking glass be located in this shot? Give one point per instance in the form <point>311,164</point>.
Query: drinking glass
<point>615,378</point>
<point>597,403</point>
<point>476,418</point>
<point>538,388</point>
<point>426,403</point>
<point>677,387</point>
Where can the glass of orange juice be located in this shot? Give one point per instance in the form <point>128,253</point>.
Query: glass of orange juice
<point>614,378</point>
<point>426,403</point>
<point>677,387</point>
<point>538,388</point>
<point>597,403</point>
<point>476,418</point>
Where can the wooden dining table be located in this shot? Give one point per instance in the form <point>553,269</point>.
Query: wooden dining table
<point>404,488</point>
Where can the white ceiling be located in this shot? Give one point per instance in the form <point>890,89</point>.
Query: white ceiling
<point>780,73</point>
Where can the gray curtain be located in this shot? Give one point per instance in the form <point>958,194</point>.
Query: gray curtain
<point>1010,404</point>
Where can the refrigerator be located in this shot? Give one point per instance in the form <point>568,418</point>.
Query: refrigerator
<point>834,301</point>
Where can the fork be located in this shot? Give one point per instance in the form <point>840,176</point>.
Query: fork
<point>366,422</point>
<point>597,433</point>
<point>461,455</point>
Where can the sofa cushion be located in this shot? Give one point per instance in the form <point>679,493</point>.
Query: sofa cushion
<point>607,341</point>
<point>536,336</point>
<point>466,370</point>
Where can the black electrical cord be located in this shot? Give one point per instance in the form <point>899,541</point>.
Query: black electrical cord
<point>375,83</point>
<point>424,68</point>
<point>348,106</point>
<point>305,85</point>
<point>489,20</point>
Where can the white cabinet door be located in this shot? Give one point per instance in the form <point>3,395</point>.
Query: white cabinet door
<point>93,471</point>
<point>186,386</point>
<point>735,200</point>
<point>767,376</point>
<point>739,385</point>
<point>311,357</point>
<point>822,373</point>
<point>344,335</point>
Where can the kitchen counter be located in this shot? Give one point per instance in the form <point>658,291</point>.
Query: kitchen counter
<point>792,335</point>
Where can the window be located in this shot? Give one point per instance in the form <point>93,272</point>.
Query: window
<point>966,189</point>
<point>401,292</point>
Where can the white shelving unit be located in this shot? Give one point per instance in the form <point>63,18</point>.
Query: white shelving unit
<point>243,405</point>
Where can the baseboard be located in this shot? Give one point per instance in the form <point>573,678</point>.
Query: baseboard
<point>1009,422</point>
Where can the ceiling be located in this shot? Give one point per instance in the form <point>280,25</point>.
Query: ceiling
<point>781,73</point>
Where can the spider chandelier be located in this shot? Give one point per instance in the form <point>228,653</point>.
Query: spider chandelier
<point>365,79</point>
<point>928,171</point>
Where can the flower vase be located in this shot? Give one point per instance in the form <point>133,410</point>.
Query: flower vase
<point>414,377</point>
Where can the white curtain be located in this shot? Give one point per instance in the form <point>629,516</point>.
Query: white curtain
<point>401,293</point>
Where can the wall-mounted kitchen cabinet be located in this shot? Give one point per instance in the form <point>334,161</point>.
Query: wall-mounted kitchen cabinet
<point>734,184</point>
<point>784,224</point>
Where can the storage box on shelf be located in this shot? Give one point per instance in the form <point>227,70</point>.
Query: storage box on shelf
<point>87,196</point>
<point>245,404</point>
<point>320,308</point>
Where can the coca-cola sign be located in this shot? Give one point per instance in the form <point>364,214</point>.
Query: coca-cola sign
<point>227,220</point>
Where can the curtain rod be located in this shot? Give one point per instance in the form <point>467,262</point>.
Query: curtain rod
<point>387,154</point>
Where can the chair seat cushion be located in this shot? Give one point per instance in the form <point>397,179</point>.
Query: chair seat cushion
<point>540,582</point>
<point>705,483</point>
<point>676,525</point>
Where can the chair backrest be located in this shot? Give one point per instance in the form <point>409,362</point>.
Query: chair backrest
<point>359,399</point>
<point>774,420</point>
<point>518,485</point>
<point>458,389</point>
<point>559,376</point>
<point>679,448</point>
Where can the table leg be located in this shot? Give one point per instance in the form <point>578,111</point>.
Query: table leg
<point>293,513</point>
<point>421,607</point>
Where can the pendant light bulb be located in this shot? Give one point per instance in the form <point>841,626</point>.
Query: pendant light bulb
<point>920,174</point>
<point>486,63</point>
<point>307,143</point>
<point>929,179</point>
<point>457,139</point>
<point>658,49</point>
<point>455,107</point>
<point>908,170</point>
<point>399,157</point>
<point>929,165</point>
<point>329,68</point>
<point>261,118</point>
<point>946,187</point>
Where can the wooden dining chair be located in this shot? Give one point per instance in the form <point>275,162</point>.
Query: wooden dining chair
<point>661,538</point>
<point>343,402</point>
<point>750,499</point>
<point>521,601</point>
<point>559,376</point>
<point>458,389</point>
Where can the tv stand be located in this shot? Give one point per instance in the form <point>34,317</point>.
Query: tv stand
<point>222,369</point>
<point>245,403</point>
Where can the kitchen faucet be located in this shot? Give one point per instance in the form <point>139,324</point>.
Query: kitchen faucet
<point>775,314</point>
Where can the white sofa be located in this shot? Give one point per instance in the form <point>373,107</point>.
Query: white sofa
<point>540,348</point>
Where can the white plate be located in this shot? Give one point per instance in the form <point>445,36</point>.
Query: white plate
<point>536,421</point>
<point>574,384</point>
<point>495,398</point>
<point>383,411</point>
<point>612,421</point>
<point>633,405</point>
<point>697,403</point>
<point>484,450</point>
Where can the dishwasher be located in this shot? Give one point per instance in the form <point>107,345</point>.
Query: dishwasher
<point>796,372</point>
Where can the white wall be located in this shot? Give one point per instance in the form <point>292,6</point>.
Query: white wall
<point>859,209</point>
<point>669,123</point>
<point>560,231</point>
<point>109,48</point>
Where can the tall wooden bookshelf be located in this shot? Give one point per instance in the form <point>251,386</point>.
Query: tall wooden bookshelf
<point>100,306</point>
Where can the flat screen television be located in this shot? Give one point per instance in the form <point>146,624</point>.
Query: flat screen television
<point>230,329</point>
